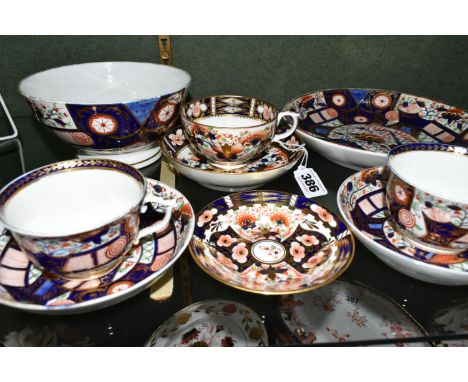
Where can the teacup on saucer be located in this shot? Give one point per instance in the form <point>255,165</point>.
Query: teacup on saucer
<point>361,201</point>
<point>427,195</point>
<point>273,163</point>
<point>78,219</point>
<point>26,287</point>
<point>230,131</point>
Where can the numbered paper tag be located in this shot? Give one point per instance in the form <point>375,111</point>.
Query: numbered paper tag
<point>309,182</point>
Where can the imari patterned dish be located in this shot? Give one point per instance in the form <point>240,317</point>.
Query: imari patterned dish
<point>108,108</point>
<point>271,242</point>
<point>361,200</point>
<point>356,128</point>
<point>230,131</point>
<point>25,286</point>
<point>427,195</point>
<point>275,161</point>
<point>344,312</point>
<point>77,219</point>
<point>211,323</point>
<point>451,321</point>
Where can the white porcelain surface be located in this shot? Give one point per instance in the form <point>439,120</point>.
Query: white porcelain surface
<point>229,121</point>
<point>69,202</point>
<point>342,155</point>
<point>138,159</point>
<point>104,82</point>
<point>436,172</point>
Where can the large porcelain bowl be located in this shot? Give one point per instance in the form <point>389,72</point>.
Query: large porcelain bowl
<point>107,105</point>
<point>356,128</point>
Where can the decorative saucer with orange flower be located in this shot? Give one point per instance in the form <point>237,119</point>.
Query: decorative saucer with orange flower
<point>27,287</point>
<point>273,163</point>
<point>356,128</point>
<point>271,242</point>
<point>211,323</point>
<point>361,200</point>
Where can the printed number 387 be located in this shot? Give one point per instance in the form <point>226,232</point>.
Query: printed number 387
<point>309,182</point>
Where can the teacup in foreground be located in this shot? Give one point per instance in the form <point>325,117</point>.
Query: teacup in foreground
<point>427,195</point>
<point>77,219</point>
<point>231,131</point>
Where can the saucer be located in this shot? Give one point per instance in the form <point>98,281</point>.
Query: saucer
<point>275,162</point>
<point>356,128</point>
<point>271,242</point>
<point>211,323</point>
<point>344,312</point>
<point>361,200</point>
<point>26,287</point>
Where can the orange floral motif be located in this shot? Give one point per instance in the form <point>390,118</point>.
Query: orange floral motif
<point>229,151</point>
<point>240,253</point>
<point>308,240</point>
<point>246,220</point>
<point>280,218</point>
<point>324,214</point>
<point>254,138</point>
<point>225,241</point>
<point>206,217</point>
<point>297,251</point>
<point>392,116</point>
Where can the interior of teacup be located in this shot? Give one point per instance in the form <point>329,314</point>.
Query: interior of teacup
<point>440,170</point>
<point>104,82</point>
<point>226,111</point>
<point>70,197</point>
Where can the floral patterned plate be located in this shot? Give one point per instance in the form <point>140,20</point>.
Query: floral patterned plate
<point>275,162</point>
<point>211,323</point>
<point>356,128</point>
<point>26,287</point>
<point>361,200</point>
<point>271,242</point>
<point>343,312</point>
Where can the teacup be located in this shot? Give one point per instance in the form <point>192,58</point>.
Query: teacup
<point>77,219</point>
<point>427,195</point>
<point>230,131</point>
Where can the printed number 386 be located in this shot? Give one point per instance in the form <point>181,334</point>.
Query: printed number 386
<point>309,182</point>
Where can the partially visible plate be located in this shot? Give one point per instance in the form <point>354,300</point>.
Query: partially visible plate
<point>344,312</point>
<point>356,128</point>
<point>211,323</point>
<point>26,287</point>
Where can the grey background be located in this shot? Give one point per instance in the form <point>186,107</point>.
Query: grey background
<point>276,68</point>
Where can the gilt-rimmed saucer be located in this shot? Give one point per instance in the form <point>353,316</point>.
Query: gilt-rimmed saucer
<point>275,162</point>
<point>344,312</point>
<point>356,128</point>
<point>26,287</point>
<point>361,200</point>
<point>211,323</point>
<point>271,242</point>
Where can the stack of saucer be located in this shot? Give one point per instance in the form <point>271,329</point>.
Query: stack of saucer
<point>228,143</point>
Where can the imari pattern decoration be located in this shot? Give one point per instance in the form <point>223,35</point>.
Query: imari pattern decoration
<point>271,242</point>
<point>378,120</point>
<point>346,311</point>
<point>110,126</point>
<point>438,223</point>
<point>224,144</point>
<point>26,286</point>
<point>176,146</point>
<point>363,199</point>
<point>212,323</point>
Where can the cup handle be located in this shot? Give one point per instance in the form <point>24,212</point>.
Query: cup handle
<point>291,129</point>
<point>151,198</point>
